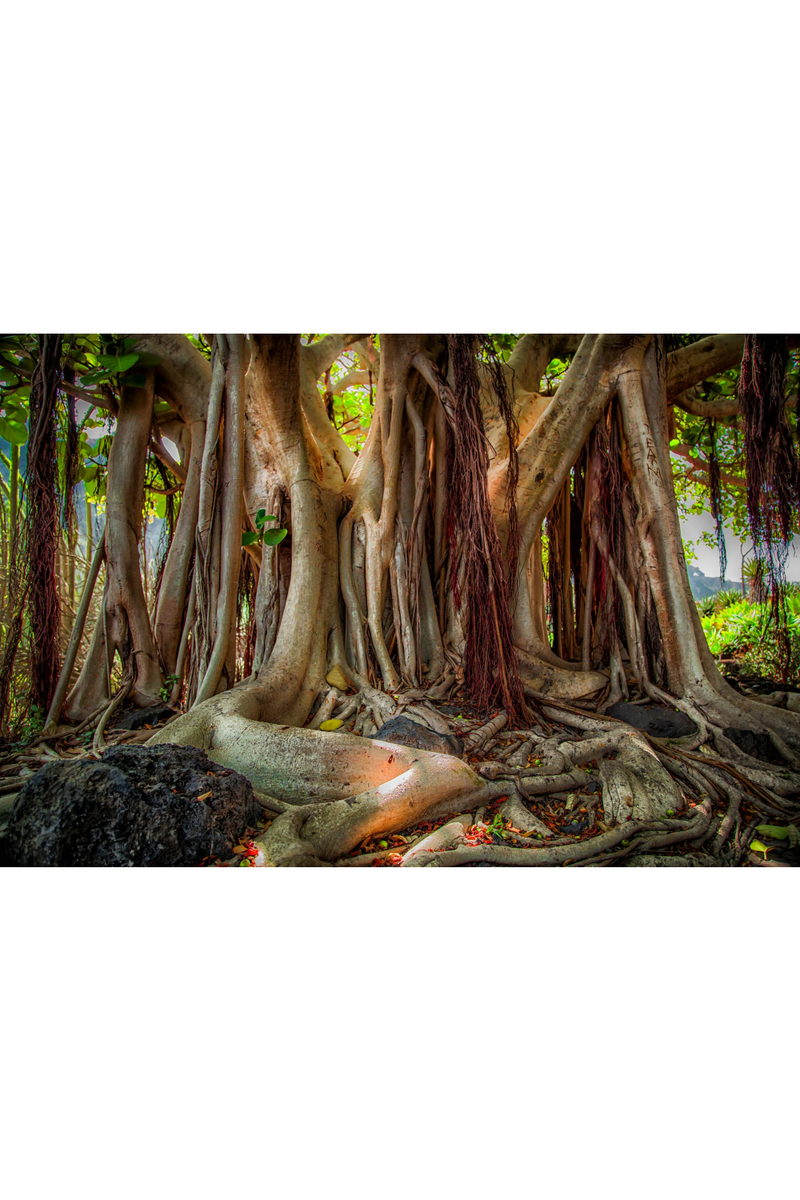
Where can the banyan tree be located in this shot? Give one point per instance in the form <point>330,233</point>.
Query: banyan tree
<point>489,536</point>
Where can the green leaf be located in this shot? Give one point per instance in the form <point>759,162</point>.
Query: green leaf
<point>249,538</point>
<point>118,365</point>
<point>774,831</point>
<point>137,379</point>
<point>261,517</point>
<point>760,848</point>
<point>14,412</point>
<point>274,537</point>
<point>332,724</point>
<point>12,432</point>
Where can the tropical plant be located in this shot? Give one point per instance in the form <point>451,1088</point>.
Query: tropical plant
<point>743,628</point>
<point>725,598</point>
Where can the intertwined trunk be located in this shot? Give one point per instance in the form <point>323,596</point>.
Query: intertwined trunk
<point>123,629</point>
<point>375,578</point>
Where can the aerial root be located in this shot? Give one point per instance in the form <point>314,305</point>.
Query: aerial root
<point>660,835</point>
<point>349,708</point>
<point>271,805</point>
<point>285,844</point>
<point>325,710</point>
<point>445,838</point>
<point>544,785</point>
<point>528,856</point>
<point>442,688</point>
<point>479,738</point>
<point>521,818</point>
<point>99,741</point>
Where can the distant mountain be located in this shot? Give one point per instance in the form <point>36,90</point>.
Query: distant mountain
<point>706,585</point>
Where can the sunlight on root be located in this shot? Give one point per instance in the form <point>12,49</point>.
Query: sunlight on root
<point>385,789</point>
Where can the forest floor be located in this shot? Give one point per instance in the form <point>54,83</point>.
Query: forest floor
<point>569,817</point>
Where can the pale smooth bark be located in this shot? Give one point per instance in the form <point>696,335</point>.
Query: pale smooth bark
<point>124,627</point>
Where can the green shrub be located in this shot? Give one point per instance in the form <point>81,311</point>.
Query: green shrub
<point>727,597</point>
<point>741,628</point>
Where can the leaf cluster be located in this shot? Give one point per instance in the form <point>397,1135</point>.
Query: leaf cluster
<point>269,537</point>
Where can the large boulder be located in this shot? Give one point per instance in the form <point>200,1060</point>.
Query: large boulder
<point>654,719</point>
<point>402,731</point>
<point>138,806</point>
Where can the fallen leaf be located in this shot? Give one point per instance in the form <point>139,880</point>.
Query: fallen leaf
<point>336,678</point>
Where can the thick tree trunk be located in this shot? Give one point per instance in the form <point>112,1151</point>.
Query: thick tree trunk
<point>124,624</point>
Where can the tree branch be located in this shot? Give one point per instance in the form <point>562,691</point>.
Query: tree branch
<point>97,399</point>
<point>161,452</point>
<point>529,358</point>
<point>351,379</point>
<point>700,468</point>
<point>183,370</point>
<point>325,353</point>
<point>720,352</point>
<point>691,401</point>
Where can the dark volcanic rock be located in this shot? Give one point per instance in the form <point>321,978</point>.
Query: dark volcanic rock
<point>137,806</point>
<point>654,719</point>
<point>757,745</point>
<point>405,732</point>
<point>139,717</point>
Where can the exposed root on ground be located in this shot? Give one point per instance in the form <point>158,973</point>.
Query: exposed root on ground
<point>580,789</point>
<point>632,796</point>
